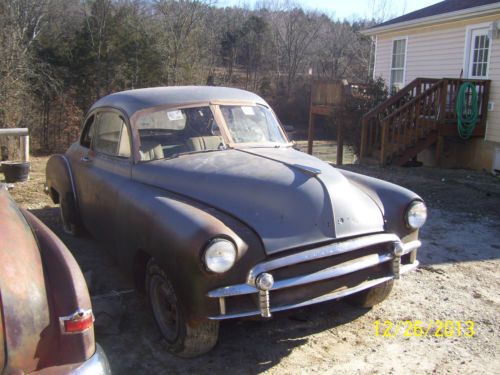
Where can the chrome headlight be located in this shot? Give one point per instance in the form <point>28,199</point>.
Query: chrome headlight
<point>220,255</point>
<point>416,215</point>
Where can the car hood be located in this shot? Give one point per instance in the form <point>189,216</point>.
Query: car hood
<point>289,198</point>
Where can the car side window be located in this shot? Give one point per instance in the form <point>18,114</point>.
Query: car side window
<point>88,129</point>
<point>111,135</point>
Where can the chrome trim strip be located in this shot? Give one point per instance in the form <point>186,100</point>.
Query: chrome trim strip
<point>232,290</point>
<point>327,273</point>
<point>321,252</point>
<point>335,271</point>
<point>323,298</point>
<point>65,158</point>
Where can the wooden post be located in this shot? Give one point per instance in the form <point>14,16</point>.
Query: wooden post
<point>310,138</point>
<point>25,141</point>
<point>484,103</point>
<point>442,100</point>
<point>364,131</point>
<point>340,143</point>
<point>439,149</point>
<point>383,142</point>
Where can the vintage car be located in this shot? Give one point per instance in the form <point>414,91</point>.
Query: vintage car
<point>203,199</point>
<point>46,320</point>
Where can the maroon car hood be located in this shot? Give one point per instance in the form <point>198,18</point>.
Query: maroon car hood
<point>289,198</point>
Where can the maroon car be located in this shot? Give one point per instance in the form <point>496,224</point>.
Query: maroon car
<point>46,320</point>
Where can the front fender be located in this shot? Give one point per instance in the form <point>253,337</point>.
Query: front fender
<point>393,200</point>
<point>175,230</point>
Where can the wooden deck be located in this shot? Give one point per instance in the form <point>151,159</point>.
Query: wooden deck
<point>416,117</point>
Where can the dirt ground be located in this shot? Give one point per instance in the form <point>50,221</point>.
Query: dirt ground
<point>458,280</point>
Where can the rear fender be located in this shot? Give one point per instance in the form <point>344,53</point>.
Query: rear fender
<point>59,178</point>
<point>67,291</point>
<point>27,327</point>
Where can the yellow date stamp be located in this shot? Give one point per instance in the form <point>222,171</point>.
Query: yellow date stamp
<point>419,328</point>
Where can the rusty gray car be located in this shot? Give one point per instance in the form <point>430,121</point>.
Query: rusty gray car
<point>206,203</point>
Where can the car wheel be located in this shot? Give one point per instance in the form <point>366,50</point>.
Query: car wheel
<point>183,339</point>
<point>69,216</point>
<point>373,296</point>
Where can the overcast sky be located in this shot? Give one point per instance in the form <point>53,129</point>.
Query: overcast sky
<point>348,9</point>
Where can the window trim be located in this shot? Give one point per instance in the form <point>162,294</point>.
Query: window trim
<point>405,38</point>
<point>84,126</point>
<point>100,111</point>
<point>468,47</point>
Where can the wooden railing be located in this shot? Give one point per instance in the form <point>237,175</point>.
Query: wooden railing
<point>371,130</point>
<point>413,114</point>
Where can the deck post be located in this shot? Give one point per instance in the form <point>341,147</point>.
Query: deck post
<point>442,100</point>
<point>340,143</point>
<point>439,149</point>
<point>364,131</point>
<point>484,103</point>
<point>383,142</point>
<point>310,137</point>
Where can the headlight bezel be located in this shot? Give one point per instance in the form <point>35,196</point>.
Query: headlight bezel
<point>209,264</point>
<point>416,206</point>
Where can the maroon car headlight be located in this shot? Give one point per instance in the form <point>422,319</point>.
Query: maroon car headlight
<point>416,215</point>
<point>220,255</point>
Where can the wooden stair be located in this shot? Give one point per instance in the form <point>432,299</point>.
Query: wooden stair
<point>415,118</point>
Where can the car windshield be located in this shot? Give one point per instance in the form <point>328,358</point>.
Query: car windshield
<point>170,132</point>
<point>252,124</point>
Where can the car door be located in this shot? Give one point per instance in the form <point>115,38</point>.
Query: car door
<point>80,155</point>
<point>102,170</point>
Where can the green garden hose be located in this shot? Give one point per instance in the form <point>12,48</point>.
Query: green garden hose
<point>467,110</point>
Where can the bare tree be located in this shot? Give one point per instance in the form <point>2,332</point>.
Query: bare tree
<point>294,32</point>
<point>181,22</point>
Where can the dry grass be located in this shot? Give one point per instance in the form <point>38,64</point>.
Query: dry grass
<point>30,194</point>
<point>327,151</point>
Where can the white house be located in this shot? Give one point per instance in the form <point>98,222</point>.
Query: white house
<point>451,39</point>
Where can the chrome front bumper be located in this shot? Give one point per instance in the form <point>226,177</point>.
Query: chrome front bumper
<point>398,250</point>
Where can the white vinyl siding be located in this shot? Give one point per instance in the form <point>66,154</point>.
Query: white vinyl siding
<point>440,53</point>
<point>493,128</point>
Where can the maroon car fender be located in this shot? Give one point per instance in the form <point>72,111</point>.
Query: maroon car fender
<point>28,335</point>
<point>68,292</point>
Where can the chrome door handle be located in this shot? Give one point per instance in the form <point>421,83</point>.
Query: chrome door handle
<point>85,159</point>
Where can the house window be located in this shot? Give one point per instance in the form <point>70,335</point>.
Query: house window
<point>398,64</point>
<point>479,52</point>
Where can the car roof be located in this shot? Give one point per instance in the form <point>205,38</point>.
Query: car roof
<point>132,101</point>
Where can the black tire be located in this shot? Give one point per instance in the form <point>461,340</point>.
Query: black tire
<point>70,220</point>
<point>373,296</point>
<point>182,339</point>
